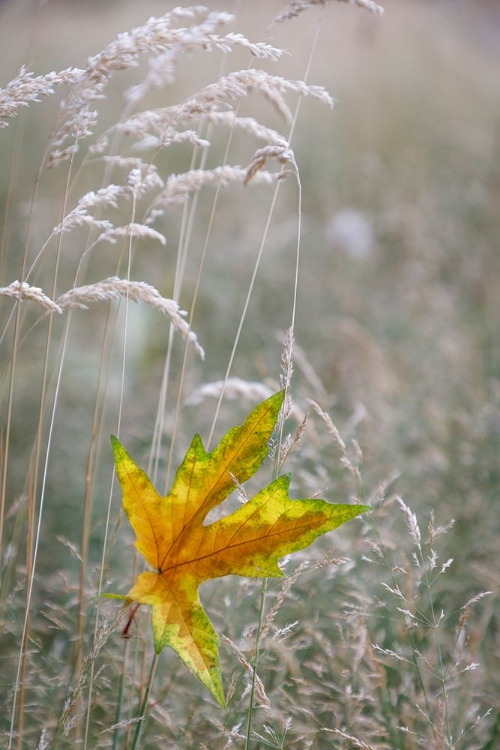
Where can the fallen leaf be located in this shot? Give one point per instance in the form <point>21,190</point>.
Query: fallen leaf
<point>184,552</point>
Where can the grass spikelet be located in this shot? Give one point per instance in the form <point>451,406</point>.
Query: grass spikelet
<point>27,87</point>
<point>79,216</point>
<point>412,521</point>
<point>180,186</point>
<point>296,7</point>
<point>260,692</point>
<point>136,291</point>
<point>139,231</point>
<point>22,291</point>
<point>280,151</point>
<point>233,389</point>
<point>76,119</point>
<point>209,100</point>
<point>389,639</point>
<point>353,740</point>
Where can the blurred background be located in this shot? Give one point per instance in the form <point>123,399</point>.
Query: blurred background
<point>399,290</point>
<point>398,299</point>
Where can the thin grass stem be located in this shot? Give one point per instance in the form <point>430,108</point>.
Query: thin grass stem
<point>144,705</point>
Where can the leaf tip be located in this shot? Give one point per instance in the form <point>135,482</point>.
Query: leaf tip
<point>279,397</point>
<point>118,448</point>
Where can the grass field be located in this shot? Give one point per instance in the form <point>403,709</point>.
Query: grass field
<point>371,231</point>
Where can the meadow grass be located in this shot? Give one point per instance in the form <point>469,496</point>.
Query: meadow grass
<point>186,226</point>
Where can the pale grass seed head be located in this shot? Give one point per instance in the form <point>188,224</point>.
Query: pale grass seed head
<point>44,741</point>
<point>413,527</point>
<point>170,137</point>
<point>155,37</point>
<point>350,457</point>
<point>295,7</point>
<point>331,428</point>
<point>291,580</point>
<point>260,692</point>
<point>137,291</point>
<point>20,290</point>
<point>350,738</point>
<point>240,490</point>
<point>79,216</point>
<point>248,125</point>
<point>350,620</point>
<point>242,83</point>
<point>137,231</point>
<point>141,179</point>
<point>179,186</point>
<point>26,87</point>
<point>158,37</point>
<point>436,531</point>
<point>281,152</point>
<point>214,99</point>
<point>233,388</point>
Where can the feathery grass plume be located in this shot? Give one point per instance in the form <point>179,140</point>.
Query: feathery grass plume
<point>158,36</point>
<point>234,388</point>
<point>179,186</point>
<point>291,441</point>
<point>353,740</point>
<point>72,706</point>
<point>295,7</point>
<point>247,124</point>
<point>243,82</point>
<point>129,162</point>
<point>434,714</point>
<point>167,136</point>
<point>43,742</point>
<point>434,531</point>
<point>26,87</point>
<point>22,291</point>
<point>141,178</point>
<point>349,458</point>
<point>332,429</point>
<point>275,735</point>
<point>301,360</point>
<point>420,685</point>
<point>208,100</point>
<point>162,67</point>
<point>279,151</point>
<point>79,216</point>
<point>260,691</point>
<point>138,231</point>
<point>136,291</point>
<point>291,580</point>
<point>413,527</point>
<point>286,364</point>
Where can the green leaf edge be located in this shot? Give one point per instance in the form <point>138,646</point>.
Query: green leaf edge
<point>118,448</point>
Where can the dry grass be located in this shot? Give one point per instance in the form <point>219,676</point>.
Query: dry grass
<point>189,168</point>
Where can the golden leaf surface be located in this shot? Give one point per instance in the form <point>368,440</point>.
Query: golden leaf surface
<point>172,536</point>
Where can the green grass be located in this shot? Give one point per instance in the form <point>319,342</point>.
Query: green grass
<point>396,341</point>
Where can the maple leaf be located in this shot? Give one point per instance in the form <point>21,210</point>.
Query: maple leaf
<point>184,552</point>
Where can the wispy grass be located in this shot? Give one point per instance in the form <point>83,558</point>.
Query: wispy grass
<point>199,175</point>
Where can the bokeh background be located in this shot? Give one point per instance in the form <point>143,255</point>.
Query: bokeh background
<point>399,290</point>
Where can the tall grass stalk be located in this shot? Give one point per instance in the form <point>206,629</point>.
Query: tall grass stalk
<point>152,204</point>
<point>288,363</point>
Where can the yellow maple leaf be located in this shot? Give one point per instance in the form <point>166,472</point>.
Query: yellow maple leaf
<point>184,552</point>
